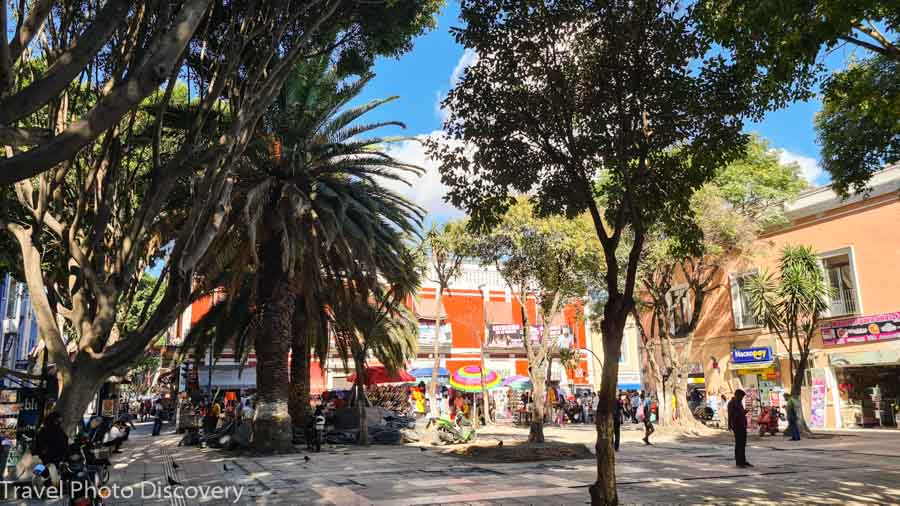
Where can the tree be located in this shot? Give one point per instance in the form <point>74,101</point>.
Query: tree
<point>313,223</point>
<point>791,307</point>
<point>728,214</point>
<point>447,246</point>
<point>123,51</point>
<point>780,46</point>
<point>132,183</point>
<point>858,126</point>
<point>383,326</point>
<point>156,184</point>
<point>553,260</point>
<point>615,108</point>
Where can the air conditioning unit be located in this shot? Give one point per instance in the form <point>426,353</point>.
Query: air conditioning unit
<point>10,326</point>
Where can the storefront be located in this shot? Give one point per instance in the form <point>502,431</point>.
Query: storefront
<point>868,387</point>
<point>756,371</point>
<point>867,382</point>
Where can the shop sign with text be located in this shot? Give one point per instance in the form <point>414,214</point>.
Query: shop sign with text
<point>751,355</point>
<point>864,329</point>
<point>426,332</point>
<point>509,335</point>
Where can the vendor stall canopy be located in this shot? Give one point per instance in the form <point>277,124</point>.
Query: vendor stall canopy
<point>468,379</point>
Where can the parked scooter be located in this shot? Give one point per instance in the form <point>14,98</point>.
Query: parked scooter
<point>79,480</point>
<point>315,431</point>
<point>768,421</point>
<point>458,431</point>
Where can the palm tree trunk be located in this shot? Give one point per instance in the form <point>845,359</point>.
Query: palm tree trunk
<point>300,381</point>
<point>359,364</point>
<point>432,389</point>
<point>272,420</point>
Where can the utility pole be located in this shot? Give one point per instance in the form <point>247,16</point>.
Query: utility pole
<point>485,294</point>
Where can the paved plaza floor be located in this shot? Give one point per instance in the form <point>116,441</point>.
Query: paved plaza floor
<point>837,468</point>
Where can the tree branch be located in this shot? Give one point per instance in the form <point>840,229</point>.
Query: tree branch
<point>12,136</point>
<point>109,109</point>
<point>871,47</point>
<point>67,66</point>
<point>28,29</point>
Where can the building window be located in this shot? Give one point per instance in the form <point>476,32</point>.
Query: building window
<point>740,301</point>
<point>11,301</point>
<point>840,273</point>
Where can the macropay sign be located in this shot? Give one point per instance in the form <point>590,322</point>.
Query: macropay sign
<point>751,355</point>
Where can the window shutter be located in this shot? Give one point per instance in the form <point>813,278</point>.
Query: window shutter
<point>736,301</point>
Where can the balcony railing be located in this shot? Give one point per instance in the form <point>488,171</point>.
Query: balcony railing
<point>844,302</point>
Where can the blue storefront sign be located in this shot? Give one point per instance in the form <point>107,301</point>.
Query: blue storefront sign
<point>760,355</point>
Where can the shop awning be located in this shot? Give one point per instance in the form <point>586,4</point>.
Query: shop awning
<point>860,358</point>
<point>753,366</point>
<point>427,309</point>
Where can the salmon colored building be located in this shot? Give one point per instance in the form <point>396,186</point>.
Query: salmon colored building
<point>853,379</point>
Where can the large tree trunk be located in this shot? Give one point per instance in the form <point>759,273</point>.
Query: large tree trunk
<point>538,393</point>
<point>432,389</point>
<point>272,429</point>
<point>76,391</point>
<point>603,492</point>
<point>299,397</point>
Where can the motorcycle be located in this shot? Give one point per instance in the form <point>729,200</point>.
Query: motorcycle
<point>704,413</point>
<point>458,431</point>
<point>315,433</point>
<point>80,481</point>
<point>768,421</point>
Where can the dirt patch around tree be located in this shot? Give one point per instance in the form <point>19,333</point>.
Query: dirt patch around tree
<point>516,451</point>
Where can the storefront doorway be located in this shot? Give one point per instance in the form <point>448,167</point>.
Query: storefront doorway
<point>869,395</point>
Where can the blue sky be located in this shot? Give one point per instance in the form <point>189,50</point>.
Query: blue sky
<point>423,75</point>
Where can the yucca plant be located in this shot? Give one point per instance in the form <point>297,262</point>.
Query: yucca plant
<point>791,306</point>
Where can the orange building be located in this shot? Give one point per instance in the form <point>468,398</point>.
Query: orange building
<point>854,369</point>
<point>478,304</point>
<point>476,308</point>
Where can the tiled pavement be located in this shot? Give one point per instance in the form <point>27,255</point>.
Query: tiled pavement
<point>849,469</point>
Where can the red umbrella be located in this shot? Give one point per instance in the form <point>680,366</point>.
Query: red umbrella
<point>378,374</point>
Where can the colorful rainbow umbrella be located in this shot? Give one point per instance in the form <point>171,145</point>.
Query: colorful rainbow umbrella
<point>517,382</point>
<point>468,379</point>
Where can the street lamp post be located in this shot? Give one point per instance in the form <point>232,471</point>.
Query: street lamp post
<point>484,304</point>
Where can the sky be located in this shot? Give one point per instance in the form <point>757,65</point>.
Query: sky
<point>423,76</point>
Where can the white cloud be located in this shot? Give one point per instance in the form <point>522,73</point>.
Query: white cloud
<point>468,57</point>
<point>427,190</point>
<point>809,167</point>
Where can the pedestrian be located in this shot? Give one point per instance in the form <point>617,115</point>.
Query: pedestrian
<point>648,423</point>
<point>737,423</point>
<point>792,418</point>
<point>618,417</point>
<point>157,413</point>
<point>635,404</point>
<point>723,410</point>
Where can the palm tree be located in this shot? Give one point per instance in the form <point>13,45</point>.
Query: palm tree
<point>313,224</point>
<point>791,307</point>
<point>382,325</point>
